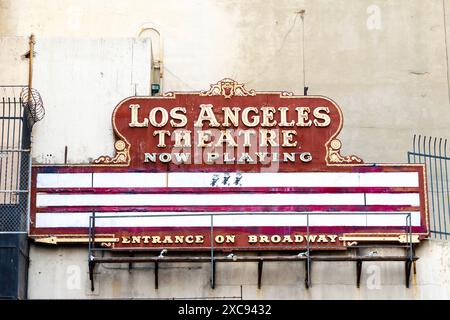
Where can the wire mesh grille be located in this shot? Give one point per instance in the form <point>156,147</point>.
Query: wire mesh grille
<point>32,102</point>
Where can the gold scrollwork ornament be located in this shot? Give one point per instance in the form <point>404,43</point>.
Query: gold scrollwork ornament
<point>228,88</point>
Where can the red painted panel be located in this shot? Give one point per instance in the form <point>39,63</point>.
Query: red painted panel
<point>241,233</point>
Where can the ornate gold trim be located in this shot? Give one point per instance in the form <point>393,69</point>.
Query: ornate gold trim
<point>334,154</point>
<point>227,87</point>
<point>108,244</point>
<point>402,238</point>
<point>122,155</point>
<point>107,240</point>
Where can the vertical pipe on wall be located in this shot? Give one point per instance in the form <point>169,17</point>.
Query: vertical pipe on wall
<point>446,188</point>
<point>302,16</point>
<point>30,66</point>
<point>31,44</point>
<point>430,166</point>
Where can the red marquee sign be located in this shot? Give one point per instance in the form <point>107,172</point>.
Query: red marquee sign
<point>228,128</point>
<point>233,168</point>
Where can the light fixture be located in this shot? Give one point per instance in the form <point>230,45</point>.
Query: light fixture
<point>155,89</point>
<point>372,253</point>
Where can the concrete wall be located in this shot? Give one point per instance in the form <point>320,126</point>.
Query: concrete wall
<point>81,80</point>
<point>62,272</point>
<point>384,62</point>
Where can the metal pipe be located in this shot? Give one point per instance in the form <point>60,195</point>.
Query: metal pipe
<point>308,253</point>
<point>212,277</point>
<point>160,60</point>
<point>30,66</point>
<point>437,188</point>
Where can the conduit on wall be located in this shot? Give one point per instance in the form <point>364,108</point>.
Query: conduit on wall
<point>156,58</point>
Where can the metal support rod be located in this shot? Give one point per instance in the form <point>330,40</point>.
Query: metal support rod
<point>442,188</point>
<point>410,239</point>
<point>409,258</point>
<point>307,275</point>
<point>91,260</point>
<point>308,255</point>
<point>409,261</point>
<point>408,265</point>
<point>410,253</point>
<point>93,232</point>
<point>90,238</point>
<point>130,264</point>
<point>91,273</point>
<point>224,259</point>
<point>430,166</point>
<point>358,272</point>
<point>260,268</point>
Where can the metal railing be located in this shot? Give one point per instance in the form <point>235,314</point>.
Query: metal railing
<point>214,251</point>
<point>432,152</point>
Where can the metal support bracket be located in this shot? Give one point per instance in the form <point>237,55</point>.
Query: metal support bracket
<point>91,274</point>
<point>260,268</point>
<point>408,265</point>
<point>213,274</point>
<point>308,273</point>
<point>156,274</point>
<point>358,272</point>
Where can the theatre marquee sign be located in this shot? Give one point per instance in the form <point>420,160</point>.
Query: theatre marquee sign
<point>233,168</point>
